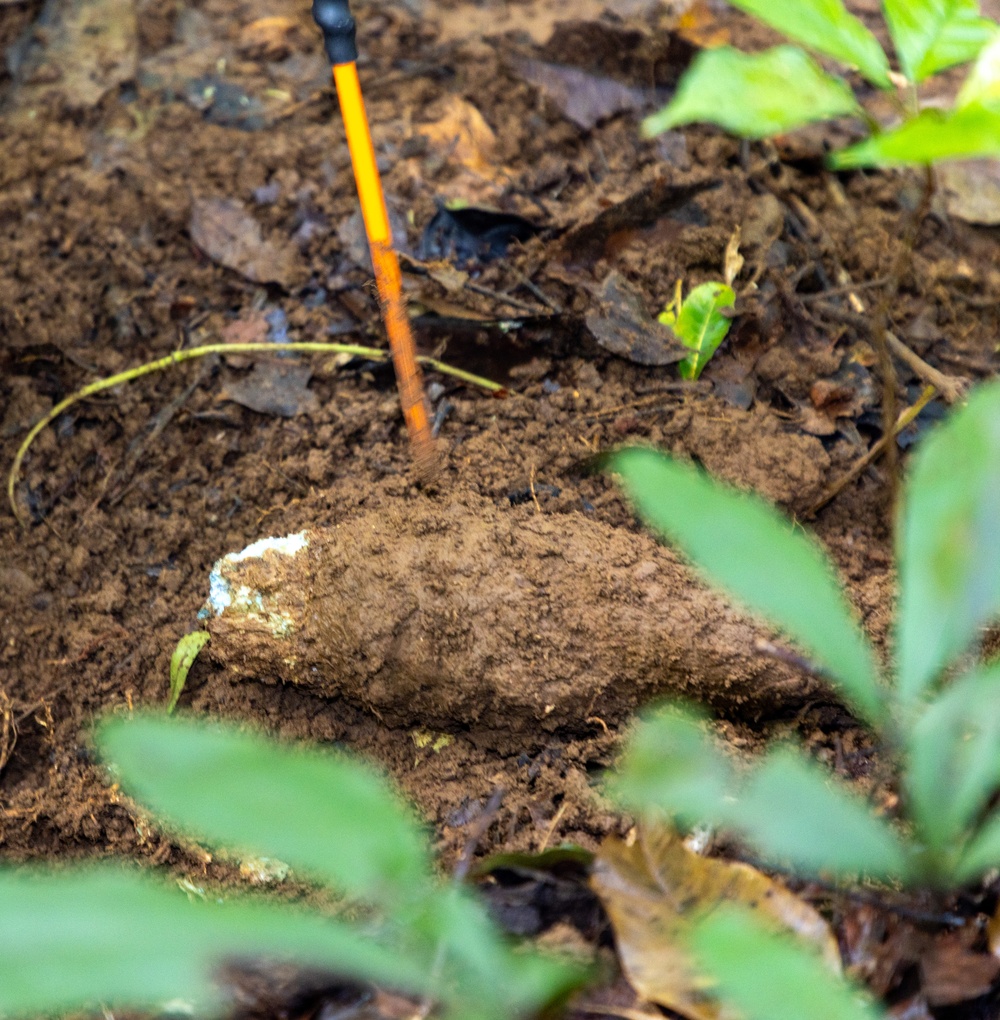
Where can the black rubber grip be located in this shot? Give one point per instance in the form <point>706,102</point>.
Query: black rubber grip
<point>334,18</point>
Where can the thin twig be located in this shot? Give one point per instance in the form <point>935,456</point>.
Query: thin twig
<point>907,417</point>
<point>847,288</point>
<point>495,295</point>
<point>952,388</point>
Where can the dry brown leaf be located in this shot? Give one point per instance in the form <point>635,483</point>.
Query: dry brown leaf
<point>953,972</point>
<point>655,888</point>
<point>732,260</point>
<point>271,38</point>
<point>970,189</point>
<point>249,330</point>
<point>463,136</point>
<point>224,230</point>
<point>620,324</point>
<point>699,26</point>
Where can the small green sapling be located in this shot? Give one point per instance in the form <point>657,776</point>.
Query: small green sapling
<point>937,717</point>
<point>699,321</point>
<point>764,94</point>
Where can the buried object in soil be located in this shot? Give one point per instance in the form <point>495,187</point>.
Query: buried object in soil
<point>503,619</point>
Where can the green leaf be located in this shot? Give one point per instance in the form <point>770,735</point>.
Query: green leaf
<point>982,84</point>
<point>954,758</point>
<point>745,547</point>
<point>701,325</point>
<point>800,816</point>
<point>672,764</point>
<point>110,936</point>
<point>754,95</point>
<point>326,814</point>
<point>770,977</point>
<point>930,137</point>
<point>181,662</point>
<point>826,27</point>
<point>981,855</point>
<point>930,35</point>
<point>946,543</point>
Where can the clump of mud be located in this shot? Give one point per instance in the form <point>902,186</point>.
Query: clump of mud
<point>455,615</point>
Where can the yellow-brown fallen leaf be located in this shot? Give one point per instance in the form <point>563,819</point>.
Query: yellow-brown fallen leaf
<point>271,38</point>
<point>700,27</point>
<point>462,135</point>
<point>654,888</point>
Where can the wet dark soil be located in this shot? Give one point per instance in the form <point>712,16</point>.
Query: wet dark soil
<point>132,496</point>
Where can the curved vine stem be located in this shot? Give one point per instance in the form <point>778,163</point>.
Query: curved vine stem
<point>189,354</point>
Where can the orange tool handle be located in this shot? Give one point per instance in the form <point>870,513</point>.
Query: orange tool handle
<point>334,18</point>
<point>388,278</point>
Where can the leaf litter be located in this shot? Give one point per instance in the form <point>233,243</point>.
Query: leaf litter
<point>580,192</point>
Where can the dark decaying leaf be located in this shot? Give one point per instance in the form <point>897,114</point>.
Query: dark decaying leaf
<point>847,394</point>
<point>952,972</point>
<point>260,990</point>
<point>472,234</point>
<point>528,893</point>
<point>656,889</point>
<point>661,195</point>
<point>619,322</point>
<point>274,387</point>
<point>584,98</point>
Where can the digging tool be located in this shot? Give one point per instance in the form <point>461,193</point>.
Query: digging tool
<point>337,24</point>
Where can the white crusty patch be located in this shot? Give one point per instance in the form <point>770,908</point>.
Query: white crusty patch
<point>222,595</point>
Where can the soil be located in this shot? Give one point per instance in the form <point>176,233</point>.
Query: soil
<point>134,495</point>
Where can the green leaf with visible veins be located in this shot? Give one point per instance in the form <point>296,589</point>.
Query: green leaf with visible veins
<point>701,326</point>
<point>181,662</point>
<point>982,84</point>
<point>748,549</point>
<point>931,35</point>
<point>754,95</point>
<point>827,27</point>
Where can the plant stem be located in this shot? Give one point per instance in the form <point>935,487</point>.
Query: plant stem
<point>189,354</point>
<point>880,330</point>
